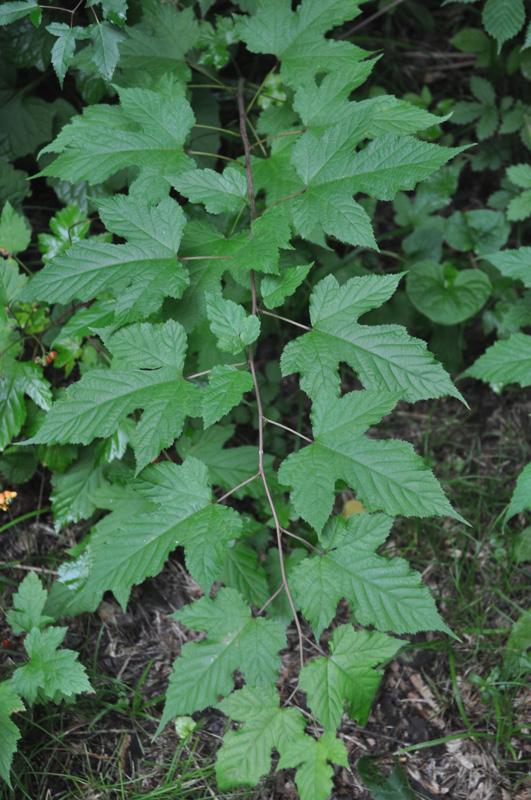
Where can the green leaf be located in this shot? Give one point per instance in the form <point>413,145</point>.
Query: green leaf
<point>235,640</point>
<point>503,19</point>
<point>95,405</point>
<point>14,184</point>
<point>271,232</point>
<point>68,226</point>
<point>25,124</point>
<point>16,379</point>
<point>10,702</point>
<point>507,361</point>
<point>182,515</point>
<point>229,322</point>
<point>28,605</point>
<point>245,754</point>
<point>275,288</point>
<point>521,499</point>
<point>218,191</point>
<point>242,571</point>
<point>519,207</point>
<point>385,357</point>
<point>105,54</point>
<point>160,226</point>
<point>347,674</point>
<point>445,295</point>
<point>297,38</point>
<point>158,44</point>
<point>482,231</point>
<point>516,658</point>
<point>50,673</point>
<point>520,174</point>
<point>382,591</point>
<point>226,387</point>
<point>64,47</point>
<point>395,787</point>
<point>386,475</point>
<point>15,234</point>
<point>74,491</point>
<point>12,281</point>
<point>314,773</point>
<point>9,12</point>
<point>146,131</point>
<point>515,264</point>
<point>113,10</point>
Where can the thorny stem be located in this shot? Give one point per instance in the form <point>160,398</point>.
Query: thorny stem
<point>291,430</point>
<point>261,419</point>
<point>284,319</point>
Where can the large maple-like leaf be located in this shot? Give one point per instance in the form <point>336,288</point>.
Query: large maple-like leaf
<point>385,357</point>
<point>382,591</point>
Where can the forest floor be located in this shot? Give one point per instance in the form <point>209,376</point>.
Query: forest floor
<point>444,712</point>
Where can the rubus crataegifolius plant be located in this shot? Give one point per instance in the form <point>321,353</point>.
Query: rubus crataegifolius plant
<point>193,310</point>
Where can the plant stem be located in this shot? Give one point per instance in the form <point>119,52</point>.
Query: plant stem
<point>239,486</point>
<point>291,430</point>
<point>23,517</point>
<point>280,588</point>
<point>300,539</point>
<point>284,319</point>
<point>261,418</point>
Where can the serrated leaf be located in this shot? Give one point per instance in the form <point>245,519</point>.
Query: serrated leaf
<point>28,605</point>
<point>515,264</point>
<point>146,131</point>
<point>385,357</point>
<point>148,346</point>
<point>519,207</point>
<point>271,232</point>
<point>51,672</point>
<point>15,234</point>
<point>348,674</point>
<point>242,571</point>
<point>521,499</point>
<point>245,754</point>
<point>503,19</point>
<point>64,46</point>
<point>386,475</point>
<point>113,10</point>
<point>16,379</point>
<point>383,592</point>
<point>520,174</point>
<point>159,226</point>
<point>10,12</point>
<point>226,387</point>
<point>12,281</point>
<point>90,267</point>
<point>73,496</point>
<point>507,361</point>
<point>482,231</point>
<point>229,322</point>
<point>445,295</point>
<point>218,191</point>
<point>275,288</point>
<point>95,405</point>
<point>105,54</point>
<point>312,757</point>
<point>10,702</point>
<point>297,38</point>
<point>235,640</point>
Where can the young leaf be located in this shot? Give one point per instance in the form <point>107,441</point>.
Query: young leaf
<point>382,591</point>
<point>347,674</point>
<point>235,640</point>
<point>385,357</point>
<point>50,673</point>
<point>312,757</point>
<point>64,47</point>
<point>219,192</point>
<point>483,231</point>
<point>10,702</point>
<point>507,361</point>
<point>229,322</point>
<point>28,605</point>
<point>226,386</point>
<point>105,54</point>
<point>445,295</point>
<point>245,754</point>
